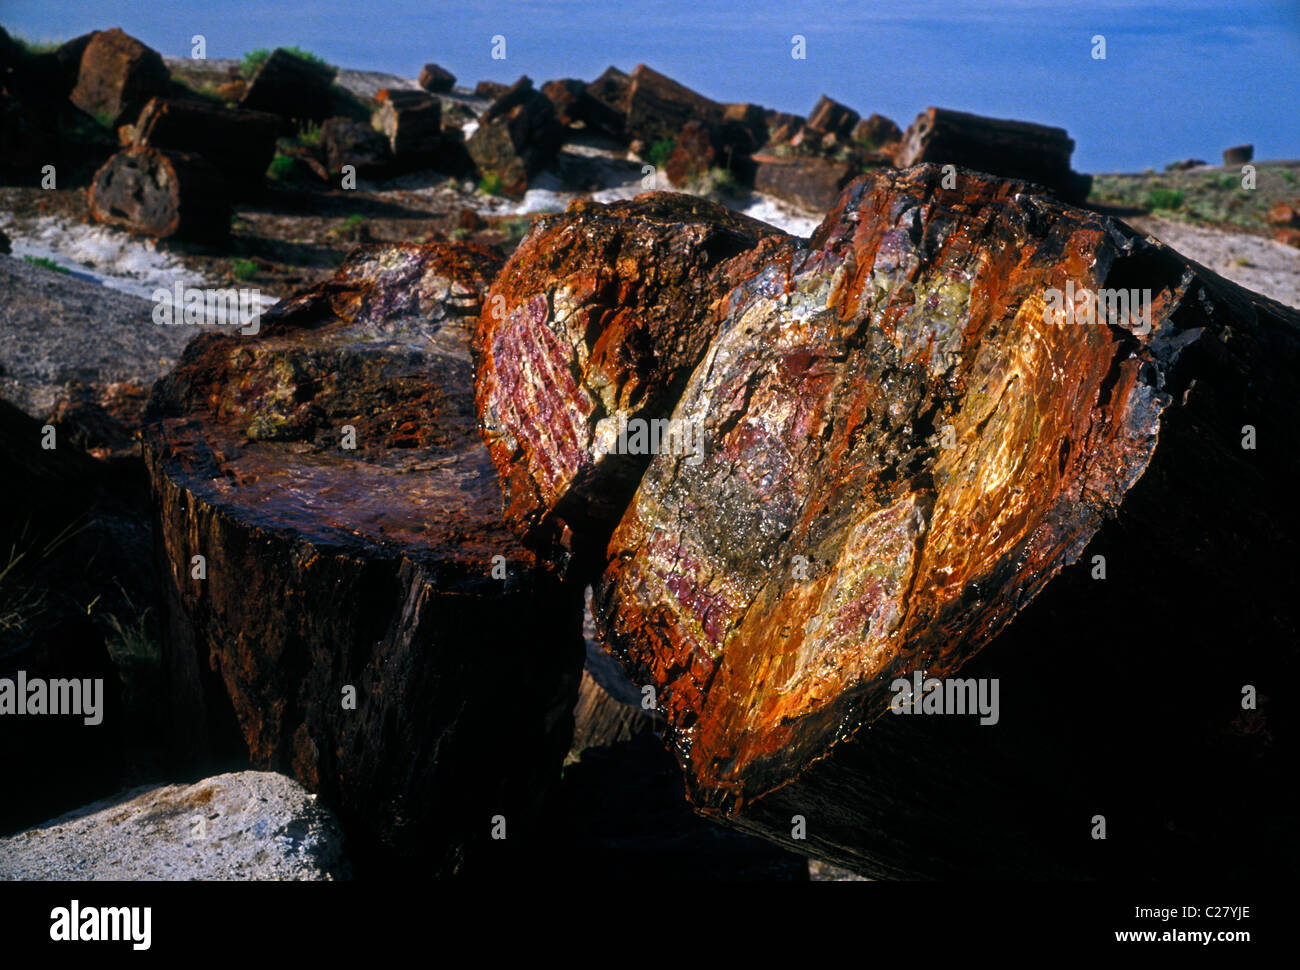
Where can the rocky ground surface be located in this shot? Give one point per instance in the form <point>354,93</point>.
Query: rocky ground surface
<point>240,826</point>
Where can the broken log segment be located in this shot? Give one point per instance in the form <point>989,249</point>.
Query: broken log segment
<point>162,193</point>
<point>1010,149</point>
<point>596,321</point>
<point>240,144</point>
<point>911,426</point>
<point>365,621</point>
<point>290,86</point>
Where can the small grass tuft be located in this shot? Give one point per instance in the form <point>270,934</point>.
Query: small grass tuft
<point>46,263</point>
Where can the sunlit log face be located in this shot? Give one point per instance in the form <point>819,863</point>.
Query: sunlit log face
<point>899,451</point>
<point>600,315</point>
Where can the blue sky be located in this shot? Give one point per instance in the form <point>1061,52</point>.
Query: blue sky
<point>1181,78</point>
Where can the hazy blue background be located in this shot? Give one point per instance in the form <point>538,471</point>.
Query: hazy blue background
<point>1182,78</point>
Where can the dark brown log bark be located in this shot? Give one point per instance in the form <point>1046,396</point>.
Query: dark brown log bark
<point>830,116</point>
<point>436,79</point>
<point>239,143</point>
<point>162,194</point>
<point>813,183</point>
<point>372,568</point>
<point>1010,149</point>
<point>412,123</point>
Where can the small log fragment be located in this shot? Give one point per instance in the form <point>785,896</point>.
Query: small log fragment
<point>239,143</point>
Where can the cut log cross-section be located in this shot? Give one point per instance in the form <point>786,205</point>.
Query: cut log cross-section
<point>921,426</point>
<point>162,193</point>
<point>366,622</point>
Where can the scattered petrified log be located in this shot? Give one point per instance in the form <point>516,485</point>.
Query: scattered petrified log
<point>813,183</point>
<point>905,448</point>
<point>658,107</point>
<point>330,568</point>
<point>436,79</point>
<point>612,87</point>
<point>627,287</point>
<point>412,123</point>
<point>347,142</point>
<point>1011,149</point>
<point>292,87</point>
<point>27,141</point>
<point>830,116</point>
<point>876,131</point>
<point>1238,154</point>
<point>575,105</point>
<point>161,194</point>
<point>239,143</point>
<point>490,89</point>
<point>516,137</point>
<point>117,76</point>
<point>692,155</point>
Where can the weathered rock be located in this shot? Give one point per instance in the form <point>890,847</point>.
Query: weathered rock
<point>813,183</point>
<point>829,115</point>
<point>599,316</point>
<point>876,131</point>
<point>240,144</point>
<point>372,567</point>
<point>162,194</point>
<point>348,142</point>
<point>1238,154</point>
<point>575,106</point>
<point>1010,149</point>
<point>248,825</point>
<point>412,123</point>
<point>117,76</point>
<point>904,449</point>
<point>490,89</point>
<point>291,87</point>
<point>517,136</point>
<point>436,79</point>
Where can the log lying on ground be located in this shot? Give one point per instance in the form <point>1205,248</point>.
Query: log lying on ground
<point>117,75</point>
<point>238,143</point>
<point>1011,149</point>
<point>627,288</point>
<point>516,137</point>
<point>290,86</point>
<point>903,451</point>
<point>162,194</point>
<point>329,568</point>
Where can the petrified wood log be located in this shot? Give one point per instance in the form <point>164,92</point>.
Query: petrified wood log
<point>517,135</point>
<point>575,105</point>
<point>599,317</point>
<point>161,194</point>
<point>830,116</point>
<point>239,143</point>
<point>906,448</point>
<point>412,122</point>
<point>436,79</point>
<point>813,183</point>
<point>375,567</point>
<point>117,75</point>
<point>1011,149</point>
<point>290,86</point>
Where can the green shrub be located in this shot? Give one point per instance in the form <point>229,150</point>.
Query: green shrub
<point>352,221</point>
<point>104,119</point>
<point>1165,199</point>
<point>254,59</point>
<point>243,269</point>
<point>309,135</point>
<point>490,184</point>
<point>37,46</point>
<point>46,263</point>
<point>282,167</point>
<point>660,152</point>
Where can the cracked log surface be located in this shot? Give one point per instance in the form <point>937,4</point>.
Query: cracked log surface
<point>371,567</point>
<point>889,402</point>
<point>602,312</point>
